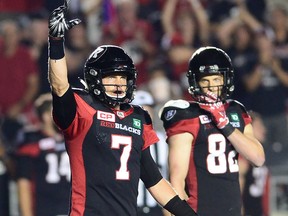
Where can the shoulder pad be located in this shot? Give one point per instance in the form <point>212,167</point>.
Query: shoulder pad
<point>137,108</point>
<point>235,101</point>
<point>178,104</point>
<point>182,104</point>
<point>136,105</point>
<point>230,101</point>
<point>141,111</point>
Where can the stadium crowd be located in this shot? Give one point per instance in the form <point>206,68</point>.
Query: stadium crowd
<point>160,36</point>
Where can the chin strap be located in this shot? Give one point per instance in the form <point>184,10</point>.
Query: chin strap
<point>83,83</point>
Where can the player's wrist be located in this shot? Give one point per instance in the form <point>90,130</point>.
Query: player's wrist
<point>179,207</point>
<point>222,122</point>
<point>227,130</point>
<point>56,48</point>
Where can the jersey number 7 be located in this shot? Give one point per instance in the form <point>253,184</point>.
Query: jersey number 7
<point>118,140</point>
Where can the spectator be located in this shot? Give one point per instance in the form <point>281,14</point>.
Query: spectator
<point>133,34</point>
<point>36,40</point>
<point>15,8</point>
<point>93,11</point>
<point>186,27</point>
<point>19,76</point>
<point>77,50</point>
<point>277,29</point>
<point>267,83</point>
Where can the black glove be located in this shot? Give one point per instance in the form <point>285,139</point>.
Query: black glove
<point>58,23</point>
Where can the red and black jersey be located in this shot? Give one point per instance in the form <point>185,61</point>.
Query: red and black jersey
<point>45,162</point>
<point>256,191</point>
<point>212,181</point>
<point>105,148</point>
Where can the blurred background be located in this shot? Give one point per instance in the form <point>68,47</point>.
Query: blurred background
<point>160,36</point>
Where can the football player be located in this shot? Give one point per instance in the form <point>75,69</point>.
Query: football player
<point>42,166</point>
<point>107,139</point>
<point>205,136</point>
<point>255,181</point>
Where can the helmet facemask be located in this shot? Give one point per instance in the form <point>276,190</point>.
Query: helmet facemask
<point>110,60</point>
<point>209,61</point>
<point>198,92</point>
<point>98,89</point>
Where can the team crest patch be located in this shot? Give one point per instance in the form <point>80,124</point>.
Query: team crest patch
<point>120,114</point>
<point>136,123</point>
<point>170,114</point>
<point>204,119</point>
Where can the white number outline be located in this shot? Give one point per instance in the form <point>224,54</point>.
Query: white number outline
<point>259,174</point>
<point>217,160</point>
<point>56,168</point>
<point>116,141</point>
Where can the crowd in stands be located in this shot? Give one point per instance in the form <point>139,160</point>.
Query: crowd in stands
<point>160,36</point>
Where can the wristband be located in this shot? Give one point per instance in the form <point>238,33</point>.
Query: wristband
<point>56,48</point>
<point>227,130</point>
<point>179,207</point>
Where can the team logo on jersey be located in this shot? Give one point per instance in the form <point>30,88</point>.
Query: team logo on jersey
<point>204,119</point>
<point>235,120</point>
<point>120,114</point>
<point>106,116</point>
<point>136,123</point>
<point>234,117</point>
<point>127,128</point>
<point>170,114</point>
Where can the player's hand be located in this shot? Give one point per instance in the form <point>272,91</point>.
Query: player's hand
<point>58,23</point>
<point>216,108</point>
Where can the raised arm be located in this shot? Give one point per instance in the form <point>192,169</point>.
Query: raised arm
<point>167,17</point>
<point>202,19</point>
<point>58,24</point>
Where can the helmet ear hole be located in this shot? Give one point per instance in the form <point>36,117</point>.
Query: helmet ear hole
<point>96,92</point>
<point>106,60</point>
<point>210,61</point>
<point>93,72</point>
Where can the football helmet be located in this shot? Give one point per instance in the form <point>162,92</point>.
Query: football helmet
<point>106,60</point>
<point>210,61</point>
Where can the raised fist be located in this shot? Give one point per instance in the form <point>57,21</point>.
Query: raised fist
<point>58,23</point>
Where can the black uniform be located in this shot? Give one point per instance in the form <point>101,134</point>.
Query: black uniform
<point>105,147</point>
<point>45,162</point>
<point>4,191</point>
<point>212,180</point>
<point>256,191</point>
<point>147,205</point>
